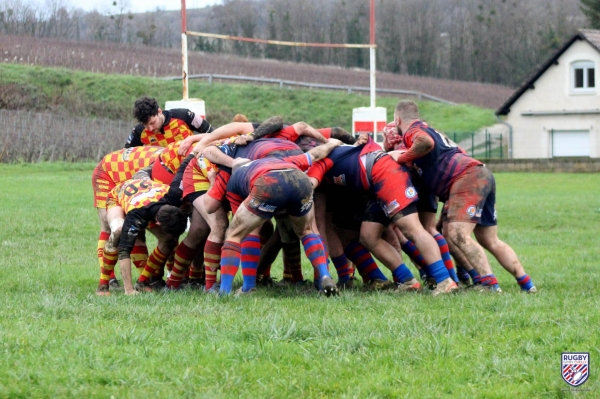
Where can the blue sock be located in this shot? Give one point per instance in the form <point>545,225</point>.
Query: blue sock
<point>315,252</point>
<point>402,274</point>
<point>462,273</point>
<point>525,282</point>
<point>250,254</point>
<point>475,276</point>
<point>438,271</point>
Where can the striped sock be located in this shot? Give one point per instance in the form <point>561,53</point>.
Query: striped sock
<point>402,274</point>
<point>196,272</point>
<point>292,261</point>
<point>212,260</point>
<point>489,280</point>
<point>365,264</point>
<point>104,235</point>
<point>182,259</point>
<point>438,271</point>
<point>344,271</point>
<point>170,262</point>
<point>413,253</point>
<point>475,276</point>
<point>525,282</point>
<point>445,251</point>
<point>316,274</point>
<point>109,260</point>
<point>250,253</point>
<point>139,256</point>
<point>155,264</point>
<point>462,274</point>
<point>315,252</point>
<point>230,263</point>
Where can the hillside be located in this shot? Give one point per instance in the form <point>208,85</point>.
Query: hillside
<point>160,62</point>
<point>54,113</point>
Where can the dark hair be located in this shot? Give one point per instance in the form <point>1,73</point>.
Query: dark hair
<point>172,220</point>
<point>343,135</point>
<point>144,109</point>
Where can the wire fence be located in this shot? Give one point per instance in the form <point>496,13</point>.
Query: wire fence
<point>36,137</point>
<point>482,145</point>
<point>282,83</point>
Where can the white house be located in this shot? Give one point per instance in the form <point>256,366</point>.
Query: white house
<point>556,112</point>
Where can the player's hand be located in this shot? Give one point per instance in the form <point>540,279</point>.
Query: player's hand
<point>243,140</point>
<point>362,139</point>
<point>335,142</point>
<point>184,147</point>
<point>197,151</point>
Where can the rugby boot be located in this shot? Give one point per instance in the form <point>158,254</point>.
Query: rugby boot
<point>195,284</point>
<point>328,287</point>
<point>265,281</point>
<point>157,283</point>
<point>346,285</point>
<point>487,288</point>
<point>142,286</point>
<point>448,286</point>
<point>532,290</point>
<point>102,290</point>
<point>379,285</point>
<point>409,286</point>
<point>239,292</point>
<point>114,283</point>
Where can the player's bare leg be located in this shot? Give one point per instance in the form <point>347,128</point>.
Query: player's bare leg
<point>487,236</point>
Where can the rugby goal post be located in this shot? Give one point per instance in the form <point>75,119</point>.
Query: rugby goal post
<point>371,46</point>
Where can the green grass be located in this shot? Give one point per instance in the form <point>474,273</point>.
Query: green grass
<point>59,340</point>
<point>112,96</point>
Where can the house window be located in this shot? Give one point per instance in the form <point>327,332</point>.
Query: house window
<point>583,76</point>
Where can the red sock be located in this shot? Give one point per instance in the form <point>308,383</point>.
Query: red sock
<point>212,260</point>
<point>184,255</point>
<point>154,265</point>
<point>139,256</point>
<point>104,235</point>
<point>109,260</point>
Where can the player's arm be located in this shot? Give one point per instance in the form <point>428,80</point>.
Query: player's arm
<point>184,147</point>
<point>316,172</point>
<point>343,135</point>
<point>135,221</point>
<point>304,129</point>
<point>223,132</point>
<point>269,126</point>
<point>321,151</point>
<point>215,155</point>
<point>422,144</point>
<point>134,137</point>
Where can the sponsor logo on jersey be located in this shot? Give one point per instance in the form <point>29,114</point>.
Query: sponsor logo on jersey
<point>262,206</point>
<point>340,180</point>
<point>471,210</point>
<point>575,367</point>
<point>410,192</point>
<point>391,207</point>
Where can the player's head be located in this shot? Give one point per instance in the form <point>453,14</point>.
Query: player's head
<point>240,118</point>
<point>390,128</point>
<point>147,112</point>
<point>307,143</point>
<point>172,220</point>
<point>342,135</point>
<point>405,111</point>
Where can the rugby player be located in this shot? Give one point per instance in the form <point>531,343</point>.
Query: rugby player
<point>468,190</point>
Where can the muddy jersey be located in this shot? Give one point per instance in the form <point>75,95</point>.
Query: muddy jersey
<point>344,166</point>
<point>257,149</point>
<point>179,124</point>
<point>243,179</point>
<point>439,168</point>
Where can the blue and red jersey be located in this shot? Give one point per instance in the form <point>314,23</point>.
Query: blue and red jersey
<point>243,179</point>
<point>440,167</point>
<point>344,167</point>
<point>258,149</point>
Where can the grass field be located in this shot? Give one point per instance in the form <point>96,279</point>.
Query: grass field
<point>60,340</point>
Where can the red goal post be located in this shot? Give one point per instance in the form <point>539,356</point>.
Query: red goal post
<point>184,47</point>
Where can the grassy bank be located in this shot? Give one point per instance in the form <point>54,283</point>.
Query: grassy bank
<point>95,95</point>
